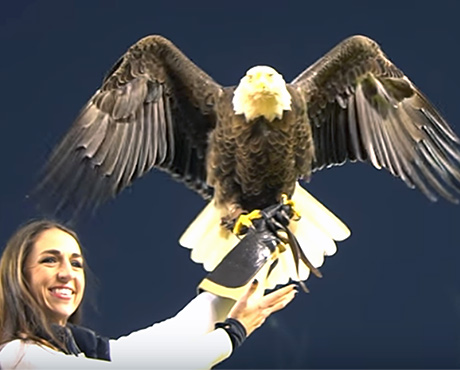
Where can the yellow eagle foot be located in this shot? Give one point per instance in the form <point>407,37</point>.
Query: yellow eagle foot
<point>244,221</point>
<point>289,202</point>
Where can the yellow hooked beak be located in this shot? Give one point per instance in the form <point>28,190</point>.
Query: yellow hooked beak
<point>261,86</point>
<point>261,81</point>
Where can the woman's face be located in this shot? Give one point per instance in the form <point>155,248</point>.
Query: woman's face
<point>54,271</point>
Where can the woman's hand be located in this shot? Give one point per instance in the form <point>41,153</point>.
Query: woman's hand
<point>253,314</point>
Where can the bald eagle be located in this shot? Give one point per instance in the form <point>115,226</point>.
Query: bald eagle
<point>243,147</point>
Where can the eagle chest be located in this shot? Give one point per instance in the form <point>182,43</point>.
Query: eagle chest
<point>255,160</point>
<point>263,149</point>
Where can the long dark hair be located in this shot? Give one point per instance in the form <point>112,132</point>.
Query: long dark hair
<point>21,316</point>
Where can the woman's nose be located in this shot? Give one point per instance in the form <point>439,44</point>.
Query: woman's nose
<point>65,272</point>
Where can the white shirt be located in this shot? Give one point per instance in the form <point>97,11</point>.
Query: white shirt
<point>186,341</point>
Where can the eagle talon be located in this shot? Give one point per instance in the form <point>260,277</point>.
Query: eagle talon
<point>227,222</point>
<point>289,202</point>
<point>244,221</point>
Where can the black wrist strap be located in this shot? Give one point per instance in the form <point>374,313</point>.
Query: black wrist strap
<point>235,331</point>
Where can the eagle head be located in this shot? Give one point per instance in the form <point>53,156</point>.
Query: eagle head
<point>261,92</point>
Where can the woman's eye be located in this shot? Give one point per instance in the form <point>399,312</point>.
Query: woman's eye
<point>77,264</point>
<point>49,260</point>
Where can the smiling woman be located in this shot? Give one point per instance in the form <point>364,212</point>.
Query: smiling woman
<point>22,277</point>
<point>54,271</point>
<point>42,284</point>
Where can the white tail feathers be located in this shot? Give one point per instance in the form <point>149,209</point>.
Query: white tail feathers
<point>208,240</point>
<point>316,232</point>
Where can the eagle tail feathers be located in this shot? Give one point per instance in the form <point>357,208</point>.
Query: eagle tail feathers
<point>316,231</point>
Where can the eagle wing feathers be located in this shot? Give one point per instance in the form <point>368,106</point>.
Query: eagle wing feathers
<point>363,108</point>
<point>155,108</point>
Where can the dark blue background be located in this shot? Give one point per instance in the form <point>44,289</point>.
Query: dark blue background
<point>389,298</point>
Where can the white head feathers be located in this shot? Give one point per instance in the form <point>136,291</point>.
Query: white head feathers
<point>261,92</point>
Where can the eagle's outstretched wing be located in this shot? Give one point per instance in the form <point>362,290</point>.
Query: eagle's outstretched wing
<point>154,109</point>
<point>362,107</point>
